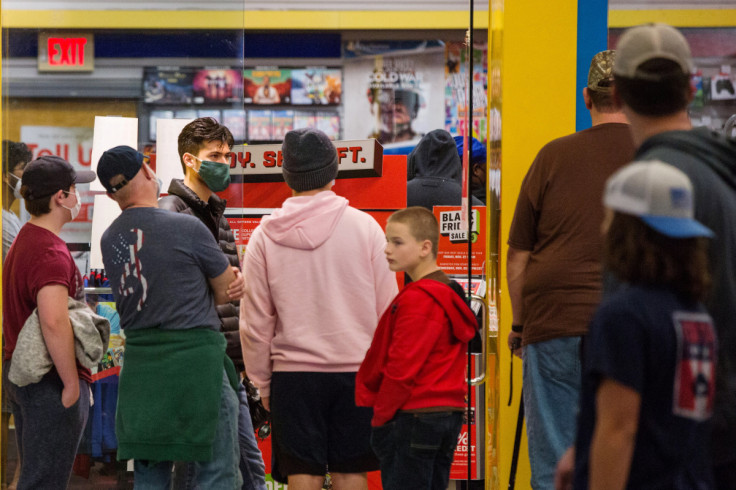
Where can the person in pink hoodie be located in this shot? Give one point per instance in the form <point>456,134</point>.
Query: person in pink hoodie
<point>317,283</point>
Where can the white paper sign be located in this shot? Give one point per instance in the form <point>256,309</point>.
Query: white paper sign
<point>105,212</point>
<point>168,163</point>
<point>112,131</point>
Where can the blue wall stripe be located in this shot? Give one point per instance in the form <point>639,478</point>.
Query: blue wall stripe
<point>592,38</point>
<point>23,43</point>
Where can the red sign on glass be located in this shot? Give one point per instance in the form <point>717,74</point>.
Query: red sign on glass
<point>66,51</point>
<point>59,52</point>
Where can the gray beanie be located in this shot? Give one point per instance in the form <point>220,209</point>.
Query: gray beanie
<point>310,159</point>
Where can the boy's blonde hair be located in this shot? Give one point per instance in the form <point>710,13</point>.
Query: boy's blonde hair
<point>421,223</point>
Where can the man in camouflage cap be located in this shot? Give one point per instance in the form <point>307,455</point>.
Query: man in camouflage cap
<point>554,274</point>
<point>600,75</point>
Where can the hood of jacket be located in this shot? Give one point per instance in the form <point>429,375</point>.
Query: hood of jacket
<point>435,156</point>
<point>462,319</point>
<point>711,147</point>
<point>305,222</point>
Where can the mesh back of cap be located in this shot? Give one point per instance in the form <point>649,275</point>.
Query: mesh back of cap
<point>627,191</point>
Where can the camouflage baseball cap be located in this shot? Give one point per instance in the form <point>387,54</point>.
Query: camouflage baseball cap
<point>600,76</point>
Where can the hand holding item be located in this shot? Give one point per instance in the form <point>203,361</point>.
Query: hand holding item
<point>236,289</point>
<point>514,342</point>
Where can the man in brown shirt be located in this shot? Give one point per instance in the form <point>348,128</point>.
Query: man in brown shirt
<point>554,271</point>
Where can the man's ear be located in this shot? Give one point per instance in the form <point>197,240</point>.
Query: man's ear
<point>57,197</point>
<point>588,100</point>
<point>150,174</point>
<point>188,160</point>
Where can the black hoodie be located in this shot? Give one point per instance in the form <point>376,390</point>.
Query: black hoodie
<point>709,159</point>
<point>434,172</point>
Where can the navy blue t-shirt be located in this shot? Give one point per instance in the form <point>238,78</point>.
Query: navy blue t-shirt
<point>158,264</point>
<point>651,341</point>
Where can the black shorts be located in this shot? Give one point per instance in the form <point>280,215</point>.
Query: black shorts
<point>316,425</point>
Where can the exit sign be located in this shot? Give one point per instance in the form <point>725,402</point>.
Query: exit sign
<point>66,52</point>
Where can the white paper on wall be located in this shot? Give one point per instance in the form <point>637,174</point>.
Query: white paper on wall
<point>111,131</point>
<point>168,164</point>
<point>105,212</point>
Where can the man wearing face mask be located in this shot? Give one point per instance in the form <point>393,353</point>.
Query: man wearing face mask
<point>39,272</point>
<point>15,158</point>
<point>204,150</point>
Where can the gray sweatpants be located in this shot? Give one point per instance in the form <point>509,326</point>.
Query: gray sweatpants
<point>47,434</point>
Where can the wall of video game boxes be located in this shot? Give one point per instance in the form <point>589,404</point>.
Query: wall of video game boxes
<point>257,104</point>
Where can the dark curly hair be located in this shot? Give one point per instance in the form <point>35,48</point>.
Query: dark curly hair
<point>13,154</point>
<point>637,254</point>
<point>198,133</point>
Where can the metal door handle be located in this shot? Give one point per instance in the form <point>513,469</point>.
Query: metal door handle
<point>481,378</point>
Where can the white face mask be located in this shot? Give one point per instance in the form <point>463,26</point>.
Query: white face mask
<point>76,208</point>
<point>16,187</point>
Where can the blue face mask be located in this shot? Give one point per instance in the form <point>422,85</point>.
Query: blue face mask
<point>215,175</point>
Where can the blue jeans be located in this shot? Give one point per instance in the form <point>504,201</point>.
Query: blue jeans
<point>221,472</point>
<point>416,449</point>
<point>551,388</point>
<point>252,466</point>
<point>47,434</point>
<point>251,460</point>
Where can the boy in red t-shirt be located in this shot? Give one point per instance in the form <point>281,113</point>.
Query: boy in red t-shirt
<point>40,274</point>
<point>414,372</point>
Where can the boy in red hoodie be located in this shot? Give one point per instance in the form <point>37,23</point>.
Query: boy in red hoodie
<point>414,372</point>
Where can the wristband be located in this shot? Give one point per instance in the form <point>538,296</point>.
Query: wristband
<point>517,328</point>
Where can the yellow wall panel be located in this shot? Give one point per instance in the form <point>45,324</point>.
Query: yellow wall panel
<point>675,17</point>
<point>538,104</point>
